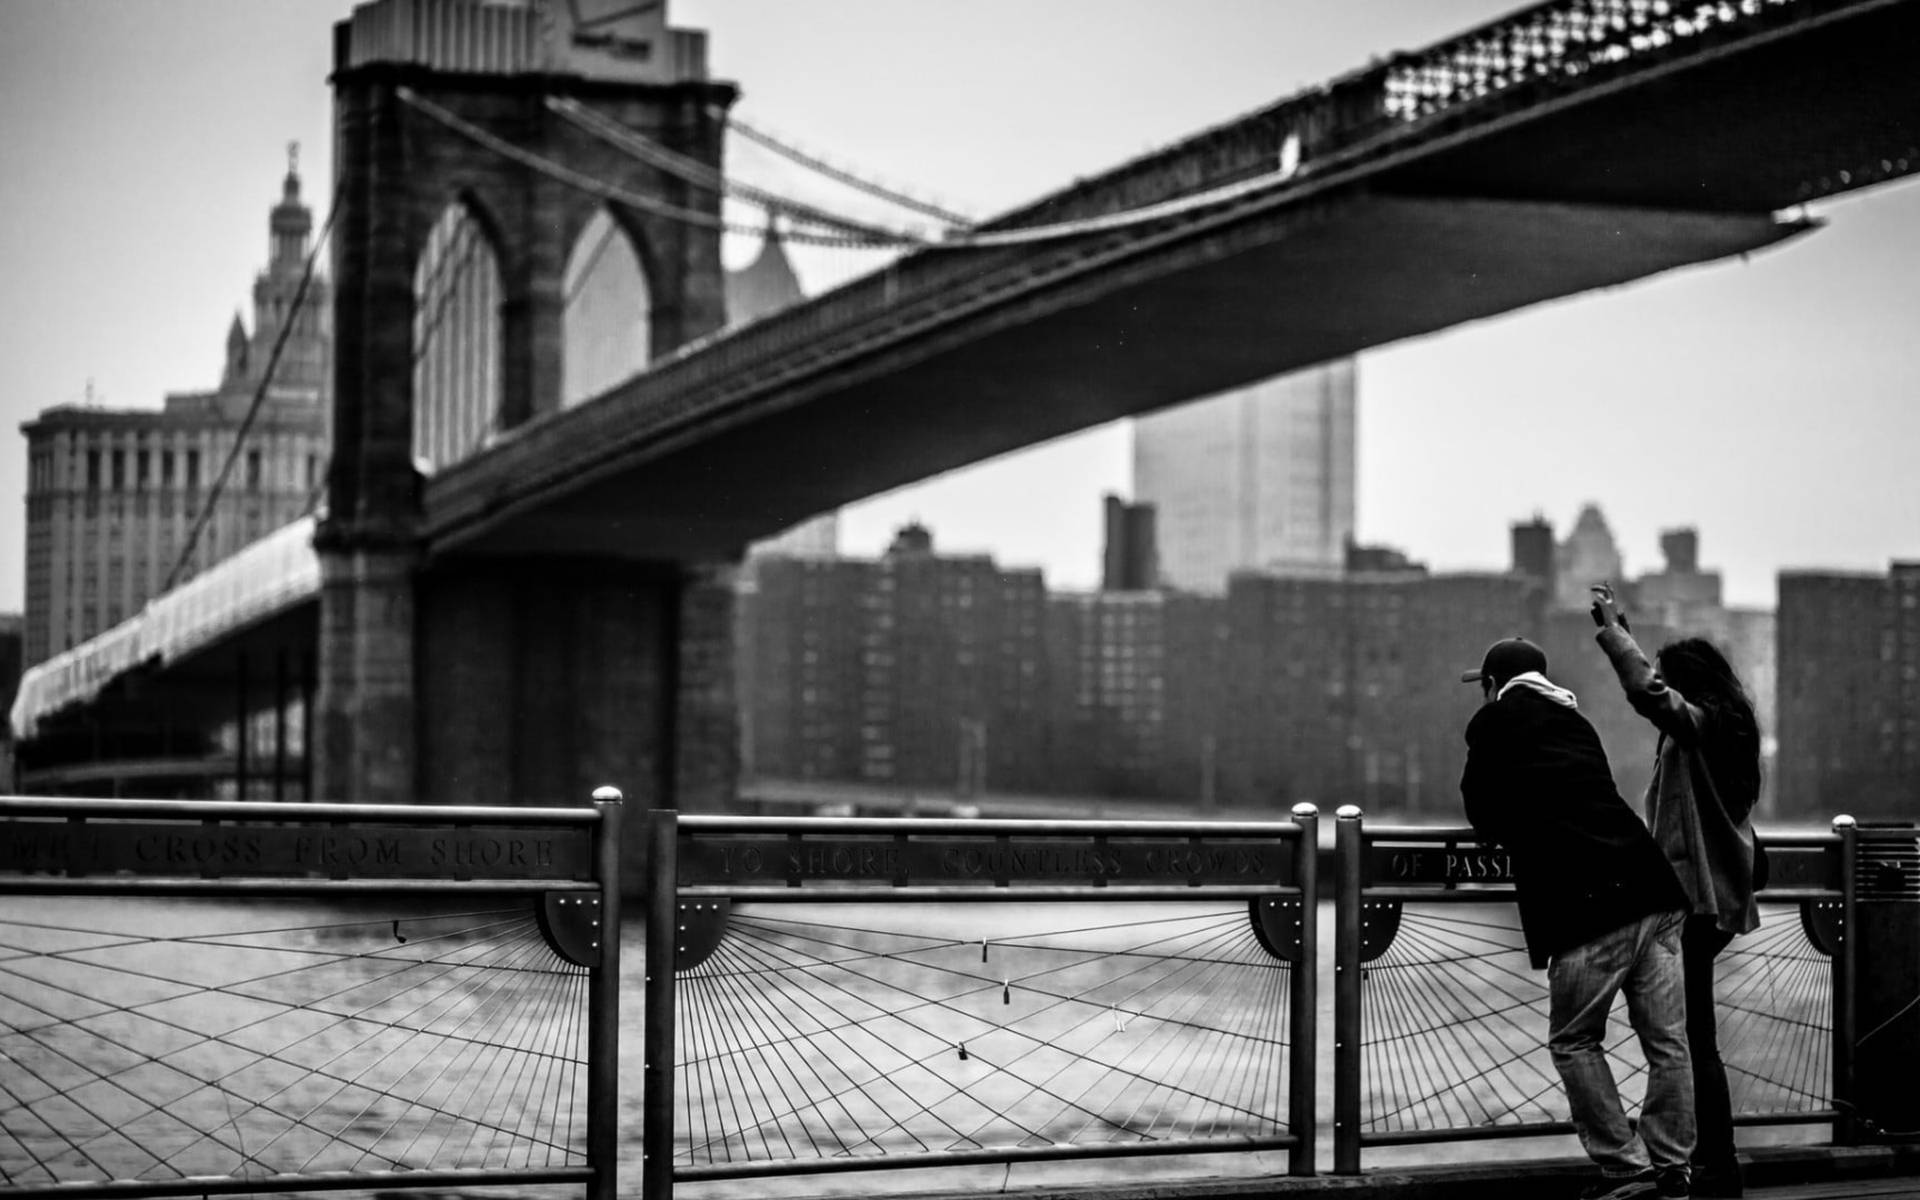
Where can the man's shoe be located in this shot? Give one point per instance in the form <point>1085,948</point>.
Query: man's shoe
<point>1624,1187</point>
<point>1672,1181</point>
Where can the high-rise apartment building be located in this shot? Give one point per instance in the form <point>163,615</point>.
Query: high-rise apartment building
<point>1347,690</point>
<point>112,494</point>
<point>916,669</point>
<point>1256,479</point>
<point>1849,693</point>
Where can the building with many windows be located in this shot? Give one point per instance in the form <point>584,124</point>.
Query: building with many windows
<point>1849,692</point>
<point>113,495</point>
<point>1256,479</point>
<point>915,669</point>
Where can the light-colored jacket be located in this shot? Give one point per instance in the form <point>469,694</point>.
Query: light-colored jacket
<point>1706,835</point>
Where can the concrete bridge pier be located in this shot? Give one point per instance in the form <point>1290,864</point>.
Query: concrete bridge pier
<point>516,682</point>
<point>365,712</point>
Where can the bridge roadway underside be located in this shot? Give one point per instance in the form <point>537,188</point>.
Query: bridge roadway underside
<point>1544,189</point>
<point>1253,300</point>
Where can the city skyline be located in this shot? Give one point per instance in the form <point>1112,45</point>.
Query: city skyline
<point>1760,403</point>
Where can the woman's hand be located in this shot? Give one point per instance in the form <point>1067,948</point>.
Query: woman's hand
<point>1605,610</point>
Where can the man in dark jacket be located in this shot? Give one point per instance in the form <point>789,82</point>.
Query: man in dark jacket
<point>1600,910</point>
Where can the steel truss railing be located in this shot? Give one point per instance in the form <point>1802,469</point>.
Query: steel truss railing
<point>220,998</point>
<point>1441,1024</point>
<point>861,994</point>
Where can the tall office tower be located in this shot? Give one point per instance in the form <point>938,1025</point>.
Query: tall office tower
<point>1588,556</point>
<point>1533,553</point>
<point>112,494</point>
<point>1259,478</point>
<point>1129,562</point>
<point>1849,693</point>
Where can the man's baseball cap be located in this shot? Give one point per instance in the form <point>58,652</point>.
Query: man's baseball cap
<point>1505,659</point>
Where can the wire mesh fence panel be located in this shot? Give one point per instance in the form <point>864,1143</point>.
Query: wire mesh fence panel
<point>1454,1022</point>
<point>1454,1025</point>
<point>854,1031</point>
<point>155,1039</point>
<point>1773,993</point>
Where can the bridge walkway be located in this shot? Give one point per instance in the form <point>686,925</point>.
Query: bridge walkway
<point>1773,1173</point>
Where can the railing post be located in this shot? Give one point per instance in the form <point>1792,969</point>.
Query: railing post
<point>1846,967</point>
<point>603,1010</point>
<point>1348,842</point>
<point>656,1096</point>
<point>1303,1065</point>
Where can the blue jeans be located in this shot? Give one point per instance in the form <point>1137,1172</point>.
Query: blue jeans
<point>1642,959</point>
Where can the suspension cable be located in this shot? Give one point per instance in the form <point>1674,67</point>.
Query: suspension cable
<point>259,396</point>
<point>437,291</point>
<point>963,239</point>
<point>605,191</point>
<point>858,183</point>
<point>701,175</point>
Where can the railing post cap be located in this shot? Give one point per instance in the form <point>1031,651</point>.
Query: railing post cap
<point>607,795</point>
<point>1843,821</point>
<point>1348,812</point>
<point>1306,809</point>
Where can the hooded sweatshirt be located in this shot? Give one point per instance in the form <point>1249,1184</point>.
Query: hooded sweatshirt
<point>1537,782</point>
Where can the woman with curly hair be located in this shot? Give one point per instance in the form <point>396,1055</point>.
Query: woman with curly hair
<point>1699,806</point>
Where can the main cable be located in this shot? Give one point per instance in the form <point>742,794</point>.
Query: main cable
<point>618,195</point>
<point>964,239</point>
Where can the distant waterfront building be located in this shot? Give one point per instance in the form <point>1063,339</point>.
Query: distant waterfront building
<point>12,663</point>
<point>1130,560</point>
<point>916,670</point>
<point>1534,553</point>
<point>1257,479</point>
<point>801,629</point>
<point>113,493</point>
<point>1849,693</point>
<point>1347,690</point>
<point>1681,595</point>
<point>1588,556</point>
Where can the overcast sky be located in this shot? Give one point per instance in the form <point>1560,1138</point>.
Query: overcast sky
<point>1769,403</point>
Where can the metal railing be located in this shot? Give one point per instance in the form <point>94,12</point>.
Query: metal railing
<point>1441,1025</point>
<point>205,998</point>
<point>861,994</point>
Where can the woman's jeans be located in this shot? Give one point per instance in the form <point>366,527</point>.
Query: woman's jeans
<point>1700,943</point>
<point>1643,959</point>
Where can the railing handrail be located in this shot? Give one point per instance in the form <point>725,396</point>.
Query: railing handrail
<point>266,810</point>
<point>1467,833</point>
<point>987,827</point>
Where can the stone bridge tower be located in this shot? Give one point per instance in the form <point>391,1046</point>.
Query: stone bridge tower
<point>465,251</point>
